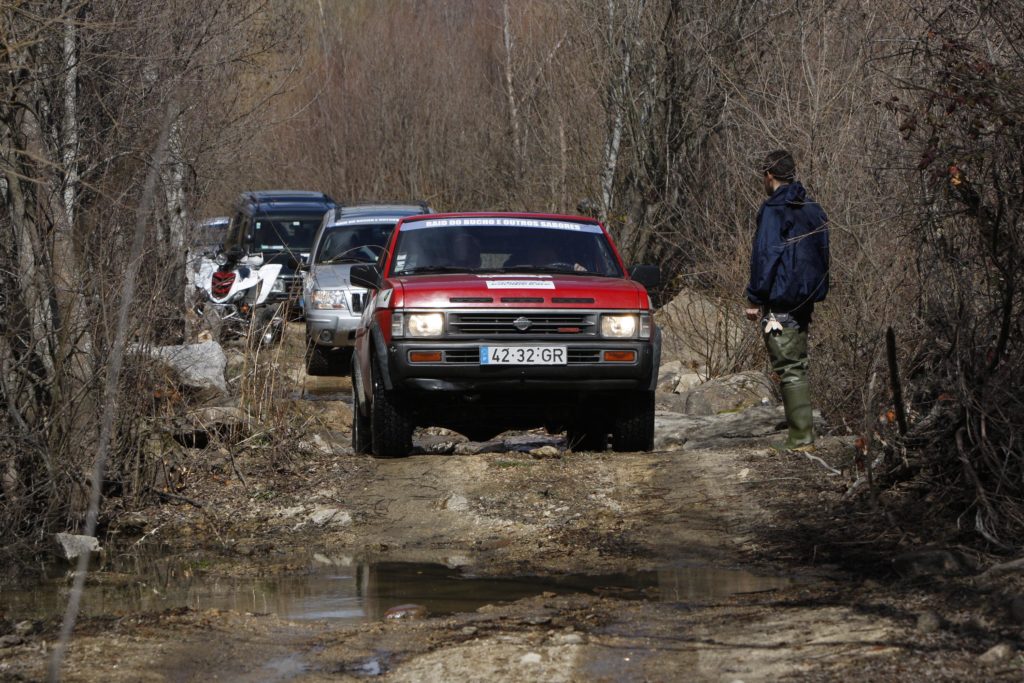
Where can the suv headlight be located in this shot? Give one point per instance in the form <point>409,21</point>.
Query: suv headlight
<point>329,299</point>
<point>425,324</point>
<point>278,286</point>
<point>619,326</point>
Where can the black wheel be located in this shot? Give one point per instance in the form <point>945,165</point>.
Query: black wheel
<point>391,424</point>
<point>587,438</point>
<point>361,442</point>
<point>266,327</point>
<point>318,363</point>
<point>633,426</point>
<point>323,362</point>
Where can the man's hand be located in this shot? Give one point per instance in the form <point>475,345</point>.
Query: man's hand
<point>752,313</point>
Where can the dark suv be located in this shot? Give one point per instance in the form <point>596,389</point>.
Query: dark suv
<point>482,323</point>
<point>278,225</point>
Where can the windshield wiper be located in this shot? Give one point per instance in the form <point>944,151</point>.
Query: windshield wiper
<point>542,269</point>
<point>436,269</point>
<point>343,259</point>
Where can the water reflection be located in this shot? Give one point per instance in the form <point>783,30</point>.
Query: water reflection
<point>338,589</point>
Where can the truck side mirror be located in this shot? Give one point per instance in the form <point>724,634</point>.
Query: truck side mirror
<point>365,275</point>
<point>647,275</point>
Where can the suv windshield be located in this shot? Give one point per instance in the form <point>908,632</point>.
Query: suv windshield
<point>278,234</point>
<point>354,242</point>
<point>503,245</point>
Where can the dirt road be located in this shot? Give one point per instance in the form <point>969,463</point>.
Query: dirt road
<point>743,578</point>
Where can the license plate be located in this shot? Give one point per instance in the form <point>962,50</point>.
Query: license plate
<point>522,355</point>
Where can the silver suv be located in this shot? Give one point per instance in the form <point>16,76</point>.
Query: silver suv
<point>348,235</point>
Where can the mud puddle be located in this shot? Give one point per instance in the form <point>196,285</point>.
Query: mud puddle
<point>340,590</point>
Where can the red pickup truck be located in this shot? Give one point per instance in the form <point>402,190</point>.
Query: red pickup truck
<point>485,322</point>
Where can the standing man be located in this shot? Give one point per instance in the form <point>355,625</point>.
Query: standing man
<point>788,275</point>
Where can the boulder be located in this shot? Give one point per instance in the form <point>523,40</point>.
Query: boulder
<point>701,331</point>
<point>730,393</point>
<point>674,377</point>
<point>693,432</point>
<point>70,546</point>
<point>196,366</point>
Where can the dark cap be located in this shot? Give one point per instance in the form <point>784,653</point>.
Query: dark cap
<point>780,164</point>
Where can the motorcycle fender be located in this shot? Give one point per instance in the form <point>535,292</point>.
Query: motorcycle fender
<point>267,276</point>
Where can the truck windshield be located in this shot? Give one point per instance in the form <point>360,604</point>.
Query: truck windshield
<point>354,243</point>
<point>279,234</point>
<point>503,245</point>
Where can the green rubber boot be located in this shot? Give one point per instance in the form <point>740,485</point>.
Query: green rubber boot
<point>796,399</point>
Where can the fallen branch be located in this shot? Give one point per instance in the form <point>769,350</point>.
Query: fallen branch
<point>1002,568</point>
<point>174,496</point>
<point>832,470</point>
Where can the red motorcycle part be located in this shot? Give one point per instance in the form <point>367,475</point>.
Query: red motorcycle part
<point>222,281</point>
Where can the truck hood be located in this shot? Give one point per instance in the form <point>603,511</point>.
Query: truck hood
<point>518,291</point>
<point>332,276</point>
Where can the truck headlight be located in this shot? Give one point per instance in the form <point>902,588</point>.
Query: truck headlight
<point>425,324</point>
<point>619,325</point>
<point>333,299</point>
<point>278,286</point>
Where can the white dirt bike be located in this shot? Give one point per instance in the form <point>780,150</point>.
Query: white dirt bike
<point>232,296</point>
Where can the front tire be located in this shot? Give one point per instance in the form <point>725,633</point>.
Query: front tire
<point>587,438</point>
<point>362,443</point>
<point>391,423</point>
<point>633,426</point>
<point>322,362</point>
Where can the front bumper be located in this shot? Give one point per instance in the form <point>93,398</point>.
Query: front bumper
<point>460,370</point>
<point>331,328</point>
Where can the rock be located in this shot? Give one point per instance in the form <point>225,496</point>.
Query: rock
<point>404,612</point>
<point>73,545</point>
<point>438,445</point>
<point>25,628</point>
<point>545,452</point>
<point>469,630</point>
<point>694,432</point>
<point>197,366</point>
<point>997,654</point>
<point>730,393</point>
<point>687,381</point>
<point>668,375</point>
<point>695,326</point>
<point>456,503</point>
<point>10,640</point>
<point>928,622</point>
<point>569,639</point>
<point>329,516</point>
<point>932,562</point>
<point>531,658</point>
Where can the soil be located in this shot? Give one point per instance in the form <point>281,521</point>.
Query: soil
<point>248,504</point>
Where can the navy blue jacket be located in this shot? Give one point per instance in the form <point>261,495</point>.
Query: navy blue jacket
<point>789,262</point>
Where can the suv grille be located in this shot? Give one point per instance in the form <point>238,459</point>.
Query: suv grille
<point>519,323</point>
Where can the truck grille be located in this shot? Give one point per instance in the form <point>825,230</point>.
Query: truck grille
<point>532,322</point>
